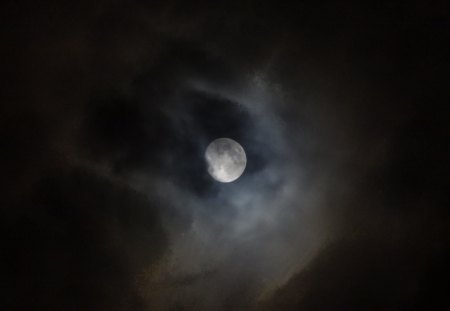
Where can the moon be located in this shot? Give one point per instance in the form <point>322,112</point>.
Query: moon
<point>226,159</point>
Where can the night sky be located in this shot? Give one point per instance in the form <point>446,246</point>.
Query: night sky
<point>343,110</point>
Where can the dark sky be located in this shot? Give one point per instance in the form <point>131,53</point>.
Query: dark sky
<point>342,108</point>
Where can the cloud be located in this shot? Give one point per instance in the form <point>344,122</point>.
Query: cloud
<point>342,113</point>
<point>78,242</point>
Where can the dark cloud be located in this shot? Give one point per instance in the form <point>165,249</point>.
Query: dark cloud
<point>77,243</point>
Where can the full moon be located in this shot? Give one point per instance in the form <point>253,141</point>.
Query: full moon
<point>226,159</point>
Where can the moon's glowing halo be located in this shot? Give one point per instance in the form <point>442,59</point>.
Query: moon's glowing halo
<point>226,159</point>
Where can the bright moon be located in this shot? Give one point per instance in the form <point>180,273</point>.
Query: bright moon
<point>226,159</point>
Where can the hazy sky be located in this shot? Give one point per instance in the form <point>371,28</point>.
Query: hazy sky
<point>343,112</point>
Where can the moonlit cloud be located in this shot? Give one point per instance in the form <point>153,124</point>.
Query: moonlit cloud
<point>342,112</point>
